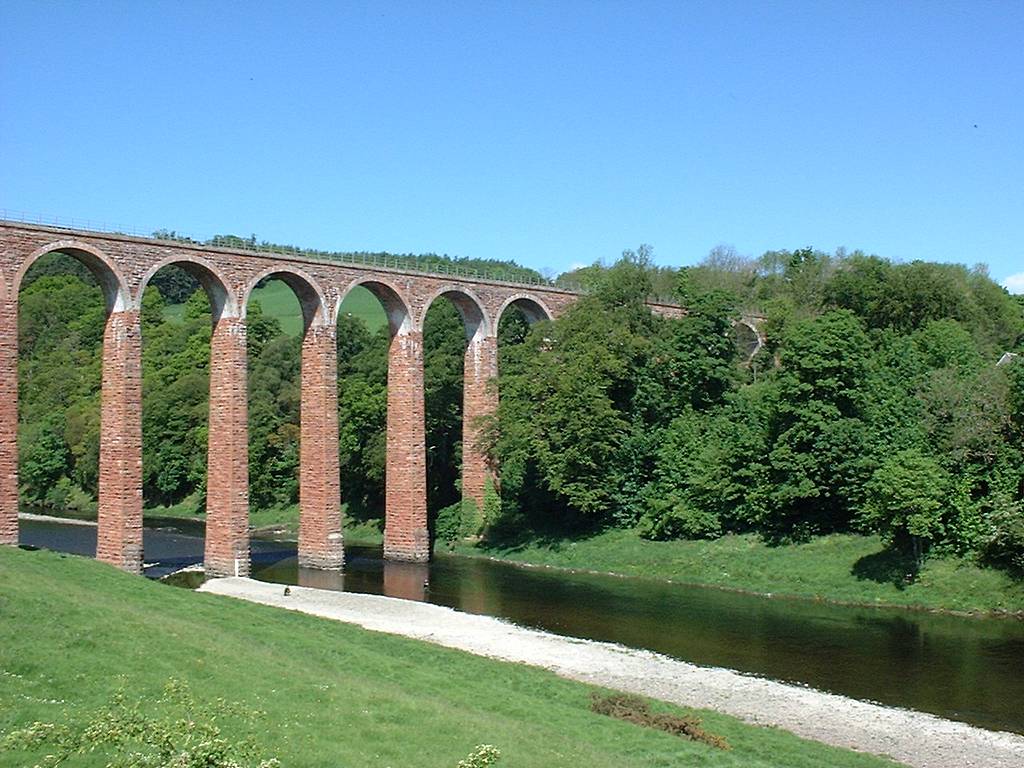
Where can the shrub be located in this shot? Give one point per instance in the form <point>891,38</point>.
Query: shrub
<point>481,757</point>
<point>456,521</point>
<point>65,495</point>
<point>1005,544</point>
<point>674,519</point>
<point>905,500</point>
<point>186,734</point>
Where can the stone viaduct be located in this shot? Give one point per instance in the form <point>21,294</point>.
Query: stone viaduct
<point>123,265</point>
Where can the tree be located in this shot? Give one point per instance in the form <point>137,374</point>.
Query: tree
<point>817,439</point>
<point>905,501</point>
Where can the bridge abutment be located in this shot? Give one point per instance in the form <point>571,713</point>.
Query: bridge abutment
<point>227,484</point>
<point>320,536</point>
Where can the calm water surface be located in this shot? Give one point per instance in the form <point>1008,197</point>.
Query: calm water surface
<point>961,668</point>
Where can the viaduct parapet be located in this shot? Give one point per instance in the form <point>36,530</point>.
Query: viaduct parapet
<point>124,265</point>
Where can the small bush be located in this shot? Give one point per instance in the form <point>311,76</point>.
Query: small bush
<point>455,522</point>
<point>1005,543</point>
<point>492,504</point>
<point>185,735</point>
<point>635,710</point>
<point>481,757</point>
<point>673,519</point>
<point>64,495</point>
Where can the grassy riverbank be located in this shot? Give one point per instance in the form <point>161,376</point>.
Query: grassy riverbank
<point>841,568</point>
<point>74,629</point>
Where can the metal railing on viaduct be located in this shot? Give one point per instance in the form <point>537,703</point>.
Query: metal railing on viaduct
<point>124,265</point>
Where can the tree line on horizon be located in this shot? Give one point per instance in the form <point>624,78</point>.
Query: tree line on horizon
<point>876,406</point>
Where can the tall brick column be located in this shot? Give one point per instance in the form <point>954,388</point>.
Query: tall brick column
<point>480,398</point>
<point>119,530</point>
<point>405,524</point>
<point>320,540</point>
<point>227,483</point>
<point>8,421</point>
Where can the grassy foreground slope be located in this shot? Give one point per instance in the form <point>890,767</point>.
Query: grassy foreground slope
<point>334,695</point>
<point>842,567</point>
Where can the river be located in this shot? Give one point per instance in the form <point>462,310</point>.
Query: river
<point>967,669</point>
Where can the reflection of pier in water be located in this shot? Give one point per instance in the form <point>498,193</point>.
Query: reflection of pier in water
<point>408,581</point>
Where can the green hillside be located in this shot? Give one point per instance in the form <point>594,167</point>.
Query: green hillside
<point>279,301</point>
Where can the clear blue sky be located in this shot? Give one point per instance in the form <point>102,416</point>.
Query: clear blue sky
<point>552,133</point>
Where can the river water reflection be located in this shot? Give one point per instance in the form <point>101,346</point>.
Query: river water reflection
<point>961,668</point>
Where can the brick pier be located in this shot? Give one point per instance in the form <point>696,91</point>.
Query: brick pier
<point>119,531</point>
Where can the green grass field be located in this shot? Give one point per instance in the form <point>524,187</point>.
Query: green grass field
<point>74,630</point>
<point>842,568</point>
<point>278,300</point>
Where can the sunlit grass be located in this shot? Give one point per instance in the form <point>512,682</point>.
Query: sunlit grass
<point>74,630</point>
<point>840,567</point>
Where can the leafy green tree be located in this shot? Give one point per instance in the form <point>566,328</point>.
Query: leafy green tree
<point>818,439</point>
<point>274,400</point>
<point>905,499</point>
<point>444,344</point>
<point>362,416</point>
<point>175,398</point>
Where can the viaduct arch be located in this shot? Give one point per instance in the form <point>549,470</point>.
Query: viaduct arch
<point>124,266</point>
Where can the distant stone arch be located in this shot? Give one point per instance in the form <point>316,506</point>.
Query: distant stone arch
<point>753,324</point>
<point>316,311</point>
<point>396,306</point>
<point>533,309</point>
<point>106,271</point>
<point>475,319</point>
<point>219,292</point>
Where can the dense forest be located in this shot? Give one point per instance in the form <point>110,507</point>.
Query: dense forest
<point>878,403</point>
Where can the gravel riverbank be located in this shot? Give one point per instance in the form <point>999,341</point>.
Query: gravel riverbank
<point>914,738</point>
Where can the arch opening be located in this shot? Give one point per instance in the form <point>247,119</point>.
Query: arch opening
<point>293,414</point>
<point>396,309</point>
<point>368,317</point>
<point>532,309</point>
<point>102,269</point>
<point>177,280</point>
<point>460,393</point>
<point>449,322</point>
<point>180,305</point>
<point>386,386</point>
<point>292,297</point>
<point>62,310</point>
<point>277,319</point>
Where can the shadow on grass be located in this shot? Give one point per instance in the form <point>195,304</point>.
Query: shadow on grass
<point>516,534</point>
<point>890,566</point>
